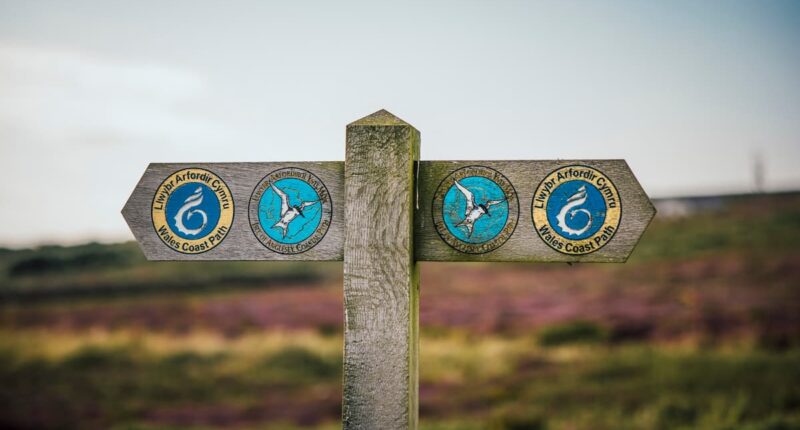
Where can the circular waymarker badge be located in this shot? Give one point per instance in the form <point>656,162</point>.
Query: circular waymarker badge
<point>576,209</point>
<point>290,210</point>
<point>475,209</point>
<point>192,211</point>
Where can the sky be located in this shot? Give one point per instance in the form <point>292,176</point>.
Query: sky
<point>688,92</point>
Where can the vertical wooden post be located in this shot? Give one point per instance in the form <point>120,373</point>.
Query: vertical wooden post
<point>381,284</point>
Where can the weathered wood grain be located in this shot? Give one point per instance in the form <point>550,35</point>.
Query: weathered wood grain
<point>240,243</point>
<point>381,288</point>
<point>525,245</point>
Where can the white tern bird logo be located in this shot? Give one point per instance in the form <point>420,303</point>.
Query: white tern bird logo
<point>473,210</point>
<point>288,212</point>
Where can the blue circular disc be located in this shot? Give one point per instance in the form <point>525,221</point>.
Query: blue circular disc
<point>295,220</point>
<point>192,210</point>
<point>488,214</point>
<point>576,210</point>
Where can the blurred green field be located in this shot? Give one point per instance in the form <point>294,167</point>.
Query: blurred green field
<point>130,379</point>
<point>699,330</point>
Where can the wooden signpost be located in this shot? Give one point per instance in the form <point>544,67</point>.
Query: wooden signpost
<point>380,212</point>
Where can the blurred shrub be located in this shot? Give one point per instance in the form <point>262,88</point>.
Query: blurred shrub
<point>775,423</point>
<point>87,257</point>
<point>517,418</point>
<point>300,363</point>
<point>631,331</point>
<point>35,265</point>
<point>676,413</point>
<point>572,332</point>
<point>776,331</point>
<point>94,358</point>
<point>188,358</point>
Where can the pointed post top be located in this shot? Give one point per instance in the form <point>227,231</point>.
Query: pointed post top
<point>381,117</point>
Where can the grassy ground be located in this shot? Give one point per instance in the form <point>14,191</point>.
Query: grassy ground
<point>699,330</point>
<point>129,379</point>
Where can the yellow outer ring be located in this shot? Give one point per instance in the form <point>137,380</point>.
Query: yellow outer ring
<point>159,212</point>
<point>613,214</point>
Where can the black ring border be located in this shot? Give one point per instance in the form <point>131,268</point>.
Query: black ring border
<point>250,220</point>
<point>153,222</point>
<point>621,208</point>
<point>433,215</point>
